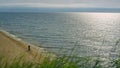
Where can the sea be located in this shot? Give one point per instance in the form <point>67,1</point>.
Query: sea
<point>71,33</point>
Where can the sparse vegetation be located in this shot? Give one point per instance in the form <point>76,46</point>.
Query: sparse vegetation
<point>59,62</point>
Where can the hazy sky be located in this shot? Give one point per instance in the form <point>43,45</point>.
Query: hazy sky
<point>61,3</point>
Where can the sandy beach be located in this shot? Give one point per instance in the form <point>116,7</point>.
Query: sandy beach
<point>12,48</point>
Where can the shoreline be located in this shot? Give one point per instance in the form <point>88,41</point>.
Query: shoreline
<point>36,52</point>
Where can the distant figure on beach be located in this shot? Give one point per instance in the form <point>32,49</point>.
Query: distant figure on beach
<point>28,47</point>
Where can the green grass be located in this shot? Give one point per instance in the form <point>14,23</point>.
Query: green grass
<point>60,62</point>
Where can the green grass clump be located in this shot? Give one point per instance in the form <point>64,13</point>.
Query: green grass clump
<point>116,63</point>
<point>59,62</point>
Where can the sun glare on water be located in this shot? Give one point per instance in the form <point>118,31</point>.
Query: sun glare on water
<point>102,30</point>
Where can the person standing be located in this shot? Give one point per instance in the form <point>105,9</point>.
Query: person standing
<point>28,47</point>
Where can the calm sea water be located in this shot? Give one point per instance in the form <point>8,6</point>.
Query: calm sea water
<point>90,34</point>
